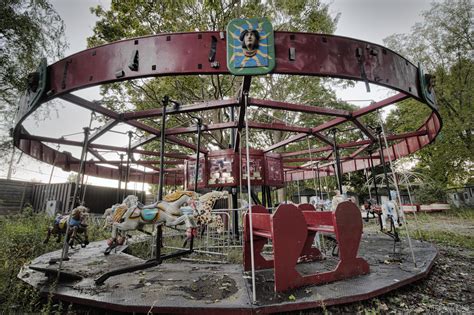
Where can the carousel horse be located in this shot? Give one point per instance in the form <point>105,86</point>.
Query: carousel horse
<point>180,207</point>
<point>109,213</point>
<point>337,199</point>
<point>390,210</point>
<point>77,221</point>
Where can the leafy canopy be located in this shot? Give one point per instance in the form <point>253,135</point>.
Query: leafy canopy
<point>443,43</point>
<point>29,31</point>
<point>127,19</point>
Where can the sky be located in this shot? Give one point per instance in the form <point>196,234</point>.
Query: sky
<point>370,20</point>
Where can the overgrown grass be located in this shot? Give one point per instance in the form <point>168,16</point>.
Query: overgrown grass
<point>21,240</point>
<point>453,227</point>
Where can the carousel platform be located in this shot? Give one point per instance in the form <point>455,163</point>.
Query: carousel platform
<point>188,287</point>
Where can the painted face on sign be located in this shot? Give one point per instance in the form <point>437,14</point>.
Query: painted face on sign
<point>249,39</point>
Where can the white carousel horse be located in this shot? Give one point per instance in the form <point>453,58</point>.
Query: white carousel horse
<point>390,209</point>
<point>108,215</point>
<point>169,212</point>
<point>166,211</point>
<point>337,199</point>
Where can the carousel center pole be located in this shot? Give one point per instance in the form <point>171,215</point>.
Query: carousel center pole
<point>247,151</point>
<point>198,147</point>
<point>159,230</point>
<point>338,160</point>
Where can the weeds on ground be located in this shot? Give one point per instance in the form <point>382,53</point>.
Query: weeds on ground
<point>21,240</point>
<point>452,227</point>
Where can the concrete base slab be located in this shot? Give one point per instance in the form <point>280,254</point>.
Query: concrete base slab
<point>187,287</point>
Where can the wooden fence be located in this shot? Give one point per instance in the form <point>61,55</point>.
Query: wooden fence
<point>14,195</point>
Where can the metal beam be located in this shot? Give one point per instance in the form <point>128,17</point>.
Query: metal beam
<point>364,129</point>
<point>200,106</point>
<point>299,108</point>
<point>244,90</point>
<point>102,130</point>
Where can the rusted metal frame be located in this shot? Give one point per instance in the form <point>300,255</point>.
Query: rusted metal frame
<point>99,146</point>
<point>186,144</point>
<point>143,141</point>
<point>277,126</point>
<point>302,152</point>
<point>364,129</point>
<point>166,170</point>
<point>186,54</point>
<point>157,112</point>
<point>244,90</point>
<point>140,162</point>
<point>321,137</point>
<point>298,107</point>
<point>374,106</point>
<point>93,106</point>
<point>183,130</point>
<point>174,155</point>
<point>227,125</point>
<point>109,125</point>
<point>97,155</point>
<point>198,160</point>
<point>293,160</point>
<point>111,114</point>
<point>359,151</point>
<point>337,121</point>
<point>295,169</point>
<point>129,159</point>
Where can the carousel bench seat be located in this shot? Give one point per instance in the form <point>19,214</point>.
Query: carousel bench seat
<point>292,231</point>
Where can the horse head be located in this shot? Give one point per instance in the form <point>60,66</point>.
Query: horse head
<point>80,213</point>
<point>204,206</point>
<point>130,201</point>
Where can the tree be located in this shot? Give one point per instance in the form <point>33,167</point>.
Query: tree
<point>29,31</point>
<point>127,19</point>
<point>443,43</point>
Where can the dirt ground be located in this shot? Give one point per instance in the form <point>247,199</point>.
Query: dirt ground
<point>448,288</point>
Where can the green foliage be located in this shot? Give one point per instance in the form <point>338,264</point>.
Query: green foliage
<point>29,30</point>
<point>127,19</point>
<point>443,43</point>
<point>428,194</point>
<point>21,241</point>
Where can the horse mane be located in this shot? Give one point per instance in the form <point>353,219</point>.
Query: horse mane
<point>119,212</point>
<point>176,195</point>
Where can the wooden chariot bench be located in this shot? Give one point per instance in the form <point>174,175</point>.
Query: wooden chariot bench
<point>292,231</point>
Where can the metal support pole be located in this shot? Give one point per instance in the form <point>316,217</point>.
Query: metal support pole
<point>319,182</point>
<point>269,198</point>
<point>338,160</point>
<point>196,175</point>
<point>129,153</point>
<point>247,151</point>
<point>372,170</point>
<point>120,170</point>
<point>79,174</point>
<point>235,215</point>
<point>162,147</point>
<point>379,135</point>
<point>395,182</point>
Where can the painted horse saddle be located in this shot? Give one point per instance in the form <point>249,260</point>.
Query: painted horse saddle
<point>147,215</point>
